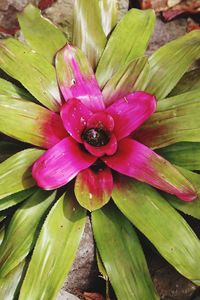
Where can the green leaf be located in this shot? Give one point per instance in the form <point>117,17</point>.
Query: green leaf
<point>10,284</point>
<point>122,255</point>
<point>16,198</point>
<point>128,79</point>
<point>161,224</point>
<point>34,72</point>
<point>176,120</point>
<point>189,208</point>
<point>2,231</point>
<point>15,172</point>
<point>11,90</point>
<point>190,81</point>
<point>185,154</point>
<point>127,42</point>
<point>170,62</point>
<point>109,13</point>
<point>38,125</point>
<point>40,34</point>
<point>8,148</point>
<point>88,34</point>
<point>23,230</point>
<point>55,250</point>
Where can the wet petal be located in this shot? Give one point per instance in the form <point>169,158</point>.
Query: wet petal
<point>101,120</point>
<point>108,149</point>
<point>130,112</point>
<point>75,115</point>
<point>76,78</point>
<point>93,188</point>
<point>60,164</point>
<point>136,160</point>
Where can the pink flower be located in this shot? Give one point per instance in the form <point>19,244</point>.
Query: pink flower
<point>99,139</point>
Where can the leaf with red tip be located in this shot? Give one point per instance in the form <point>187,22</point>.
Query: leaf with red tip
<point>136,160</point>
<point>93,188</point>
<point>76,78</point>
<point>35,124</point>
<point>176,120</point>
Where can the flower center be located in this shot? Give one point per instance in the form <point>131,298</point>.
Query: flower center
<point>96,137</point>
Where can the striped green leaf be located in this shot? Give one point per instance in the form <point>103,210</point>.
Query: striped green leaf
<point>23,229</point>
<point>34,72</point>
<point>16,198</point>
<point>185,154</point>
<point>11,90</point>
<point>170,62</point>
<point>190,81</point>
<point>122,255</point>
<point>129,78</point>
<point>161,224</point>
<point>9,285</point>
<point>127,42</point>
<point>55,250</point>
<point>88,33</point>
<point>15,172</point>
<point>109,13</point>
<point>40,34</point>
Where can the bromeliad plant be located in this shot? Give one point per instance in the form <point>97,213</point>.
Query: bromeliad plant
<point>103,118</point>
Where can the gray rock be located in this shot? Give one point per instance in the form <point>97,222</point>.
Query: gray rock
<point>84,268</point>
<point>63,295</point>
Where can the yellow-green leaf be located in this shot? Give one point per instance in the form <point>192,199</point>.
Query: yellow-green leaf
<point>15,172</point>
<point>161,224</point>
<point>9,285</point>
<point>40,34</point>
<point>88,33</point>
<point>127,42</point>
<point>16,198</point>
<point>23,230</point>
<point>122,255</point>
<point>55,250</point>
<point>170,62</point>
<point>34,72</point>
<point>129,78</point>
<point>109,13</point>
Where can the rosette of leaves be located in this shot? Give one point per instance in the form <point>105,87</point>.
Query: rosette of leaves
<point>41,229</point>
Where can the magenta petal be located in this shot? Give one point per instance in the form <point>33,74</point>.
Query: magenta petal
<point>74,115</point>
<point>130,112</point>
<point>93,188</point>
<point>108,149</point>
<point>136,160</point>
<point>53,130</point>
<point>101,120</point>
<point>76,78</point>
<point>60,164</point>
